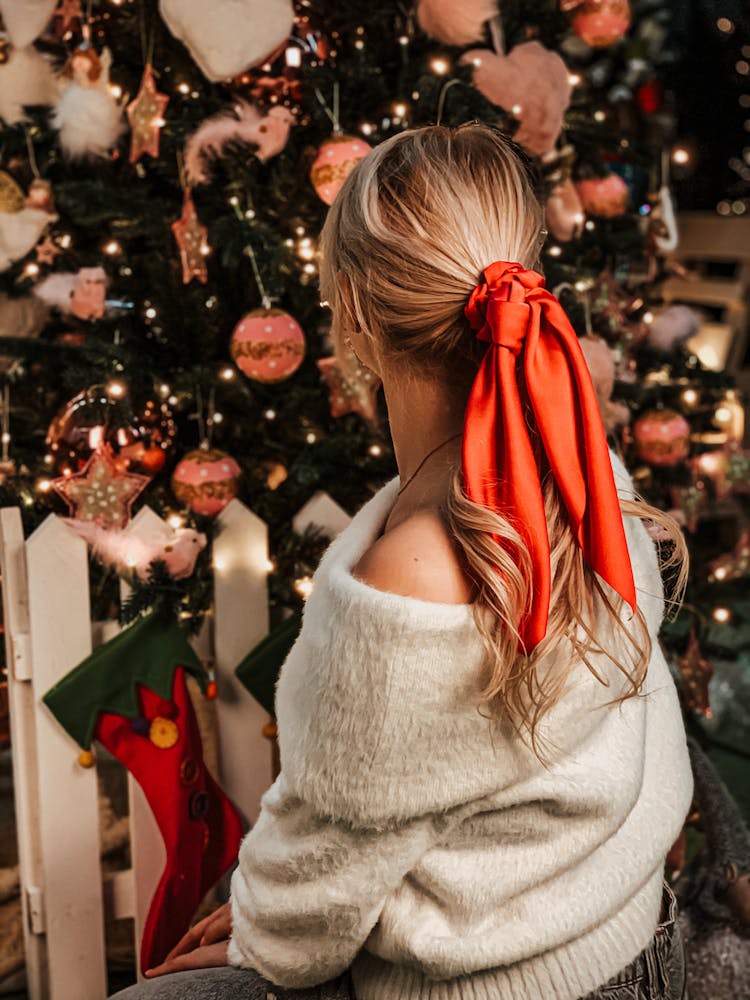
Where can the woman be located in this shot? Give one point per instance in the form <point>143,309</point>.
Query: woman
<point>483,757</point>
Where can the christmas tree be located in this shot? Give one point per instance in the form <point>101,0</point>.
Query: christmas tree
<point>165,171</point>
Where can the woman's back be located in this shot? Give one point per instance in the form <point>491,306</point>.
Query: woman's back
<point>405,814</point>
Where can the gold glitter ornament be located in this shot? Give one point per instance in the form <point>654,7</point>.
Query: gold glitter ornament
<point>190,235</point>
<point>146,116</point>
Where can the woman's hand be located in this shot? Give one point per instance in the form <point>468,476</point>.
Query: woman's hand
<point>203,947</point>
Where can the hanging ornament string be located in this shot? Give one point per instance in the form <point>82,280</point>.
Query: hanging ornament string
<point>441,99</point>
<point>497,35</point>
<point>86,26</point>
<point>332,113</point>
<point>31,153</point>
<point>265,298</point>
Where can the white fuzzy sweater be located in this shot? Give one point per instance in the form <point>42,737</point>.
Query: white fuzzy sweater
<point>411,836</point>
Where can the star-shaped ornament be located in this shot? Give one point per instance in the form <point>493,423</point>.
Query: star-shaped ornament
<point>146,115</point>
<point>352,387</point>
<point>696,672</point>
<point>46,250</point>
<point>191,236</point>
<point>100,492</point>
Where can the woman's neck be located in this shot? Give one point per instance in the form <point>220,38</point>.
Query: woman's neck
<point>423,415</point>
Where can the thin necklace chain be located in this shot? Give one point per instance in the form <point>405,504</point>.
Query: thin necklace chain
<point>428,455</point>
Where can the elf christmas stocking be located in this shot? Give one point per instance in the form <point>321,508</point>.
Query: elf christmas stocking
<point>131,695</point>
<point>162,749</point>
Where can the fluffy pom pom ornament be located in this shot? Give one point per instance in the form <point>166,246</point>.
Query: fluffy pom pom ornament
<point>244,123</point>
<point>268,345</point>
<point>87,116</point>
<point>206,480</point>
<point>605,197</point>
<point>227,37</point>
<point>671,328</point>
<point>662,437</point>
<point>336,159</point>
<point>532,83</point>
<point>455,23</point>
<point>601,362</point>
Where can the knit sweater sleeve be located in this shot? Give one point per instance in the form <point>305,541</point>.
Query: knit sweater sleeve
<point>308,891</point>
<point>370,721</point>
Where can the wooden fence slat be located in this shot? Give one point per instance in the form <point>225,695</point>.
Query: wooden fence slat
<point>147,853</point>
<point>60,627</point>
<point>323,511</point>
<point>240,553</point>
<point>23,738</point>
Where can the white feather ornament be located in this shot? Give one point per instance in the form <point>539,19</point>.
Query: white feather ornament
<point>26,79</point>
<point>227,37</point>
<point>269,133</point>
<point>129,554</point>
<point>25,20</point>
<point>456,23</point>
<point>88,118</point>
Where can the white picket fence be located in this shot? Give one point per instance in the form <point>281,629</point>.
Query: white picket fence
<point>45,588</point>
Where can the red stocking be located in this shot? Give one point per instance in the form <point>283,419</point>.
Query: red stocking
<point>200,826</point>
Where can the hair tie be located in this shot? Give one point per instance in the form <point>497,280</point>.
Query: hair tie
<point>513,311</point>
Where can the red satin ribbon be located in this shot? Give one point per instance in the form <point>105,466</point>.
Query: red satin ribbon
<point>553,395</point>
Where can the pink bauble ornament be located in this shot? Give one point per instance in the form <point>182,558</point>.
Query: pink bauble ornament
<point>600,23</point>
<point>336,159</point>
<point>268,345</point>
<point>662,437</point>
<point>205,480</point>
<point>606,197</point>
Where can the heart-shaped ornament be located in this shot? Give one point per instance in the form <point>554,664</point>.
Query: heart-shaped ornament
<point>228,36</point>
<point>25,20</point>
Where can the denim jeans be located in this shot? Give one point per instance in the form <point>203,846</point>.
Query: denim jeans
<point>658,973</point>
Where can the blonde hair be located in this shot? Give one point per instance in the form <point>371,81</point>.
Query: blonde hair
<point>411,230</point>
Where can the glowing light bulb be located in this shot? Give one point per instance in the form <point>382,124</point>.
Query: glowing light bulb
<point>183,88</point>
<point>721,615</point>
<point>175,521</point>
<point>220,564</point>
<point>574,79</point>
<point>516,110</point>
<point>690,397</point>
<point>293,56</point>
<point>680,155</point>
<point>31,270</point>
<point>310,437</point>
<point>150,313</point>
<point>440,66</point>
<point>115,90</point>
<point>44,485</point>
<point>399,109</point>
<point>304,586</point>
<point>115,389</point>
<point>554,250</point>
<point>599,115</point>
<point>375,450</point>
<point>648,317</point>
<point>227,374</point>
<point>269,565</point>
<point>269,414</point>
<point>112,248</point>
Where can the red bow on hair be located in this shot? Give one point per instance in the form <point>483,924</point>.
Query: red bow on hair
<point>514,312</point>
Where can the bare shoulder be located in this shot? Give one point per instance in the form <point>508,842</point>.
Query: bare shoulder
<point>418,558</point>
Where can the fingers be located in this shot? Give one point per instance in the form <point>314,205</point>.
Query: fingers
<point>193,938</point>
<point>208,957</point>
<point>220,927</point>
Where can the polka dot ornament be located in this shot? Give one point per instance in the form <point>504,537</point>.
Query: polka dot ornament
<point>268,345</point>
<point>336,159</point>
<point>205,481</point>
